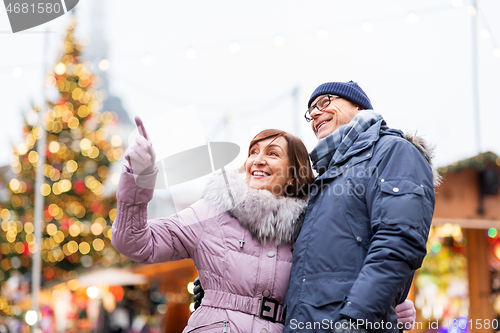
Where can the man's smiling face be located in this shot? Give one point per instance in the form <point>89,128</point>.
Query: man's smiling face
<point>338,113</point>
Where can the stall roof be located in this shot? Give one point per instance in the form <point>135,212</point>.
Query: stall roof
<point>477,162</point>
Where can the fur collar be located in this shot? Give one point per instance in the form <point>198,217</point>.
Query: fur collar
<point>268,218</point>
<point>429,153</point>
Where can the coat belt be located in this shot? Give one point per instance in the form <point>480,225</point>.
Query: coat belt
<point>246,304</point>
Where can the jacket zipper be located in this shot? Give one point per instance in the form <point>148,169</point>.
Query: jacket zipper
<point>225,327</point>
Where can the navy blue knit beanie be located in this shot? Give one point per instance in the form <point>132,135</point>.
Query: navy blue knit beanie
<point>347,90</point>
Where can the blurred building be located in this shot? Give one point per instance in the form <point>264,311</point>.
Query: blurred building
<point>96,51</point>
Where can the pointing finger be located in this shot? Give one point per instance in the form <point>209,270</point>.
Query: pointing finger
<point>140,127</point>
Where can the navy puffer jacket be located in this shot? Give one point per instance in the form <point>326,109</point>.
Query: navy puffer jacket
<point>363,236</point>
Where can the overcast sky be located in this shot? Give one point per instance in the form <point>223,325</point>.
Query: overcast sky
<point>412,58</point>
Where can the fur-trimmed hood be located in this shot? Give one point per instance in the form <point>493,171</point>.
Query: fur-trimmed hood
<point>267,217</point>
<point>429,153</point>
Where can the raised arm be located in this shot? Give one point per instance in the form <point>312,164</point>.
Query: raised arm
<point>158,240</point>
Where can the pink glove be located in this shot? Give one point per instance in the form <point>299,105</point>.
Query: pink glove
<point>140,155</point>
<point>406,314</point>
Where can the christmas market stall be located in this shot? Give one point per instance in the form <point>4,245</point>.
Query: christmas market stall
<point>458,287</point>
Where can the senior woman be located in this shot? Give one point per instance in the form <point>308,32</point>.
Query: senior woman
<point>239,235</point>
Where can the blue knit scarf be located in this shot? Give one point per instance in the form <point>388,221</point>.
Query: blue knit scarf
<point>331,148</point>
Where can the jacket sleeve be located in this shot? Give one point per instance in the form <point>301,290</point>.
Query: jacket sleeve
<point>156,240</point>
<point>400,202</point>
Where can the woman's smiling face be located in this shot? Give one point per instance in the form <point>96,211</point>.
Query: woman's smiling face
<point>268,166</point>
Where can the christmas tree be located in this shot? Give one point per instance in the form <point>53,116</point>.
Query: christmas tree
<point>77,215</point>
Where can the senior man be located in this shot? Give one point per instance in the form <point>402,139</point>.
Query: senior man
<point>367,220</point>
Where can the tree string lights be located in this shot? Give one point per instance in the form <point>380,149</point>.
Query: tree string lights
<point>77,215</point>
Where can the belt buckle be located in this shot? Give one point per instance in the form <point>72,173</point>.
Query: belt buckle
<point>265,308</point>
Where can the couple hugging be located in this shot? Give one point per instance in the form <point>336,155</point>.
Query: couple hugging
<point>279,249</point>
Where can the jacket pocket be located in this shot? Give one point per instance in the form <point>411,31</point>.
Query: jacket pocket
<point>219,327</point>
<point>401,201</point>
<point>327,288</point>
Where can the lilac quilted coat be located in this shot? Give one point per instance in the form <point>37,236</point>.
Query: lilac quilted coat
<point>239,238</point>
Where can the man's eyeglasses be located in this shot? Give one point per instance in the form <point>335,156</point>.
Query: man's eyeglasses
<point>322,104</point>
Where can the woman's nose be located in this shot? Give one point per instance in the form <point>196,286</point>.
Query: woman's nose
<point>259,160</point>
